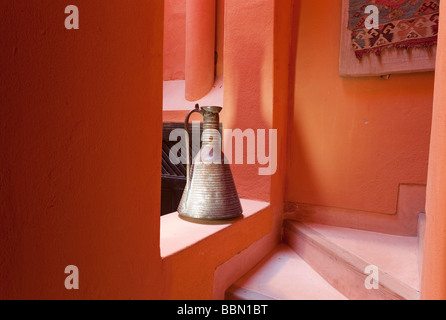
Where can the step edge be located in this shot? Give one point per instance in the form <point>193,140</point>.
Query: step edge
<point>236,292</point>
<point>393,286</point>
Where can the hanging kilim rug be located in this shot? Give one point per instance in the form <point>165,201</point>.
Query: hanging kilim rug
<point>402,24</point>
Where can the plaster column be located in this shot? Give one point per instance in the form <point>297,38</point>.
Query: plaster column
<point>200,48</point>
<point>433,284</point>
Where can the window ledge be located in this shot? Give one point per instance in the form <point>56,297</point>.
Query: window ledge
<point>177,234</point>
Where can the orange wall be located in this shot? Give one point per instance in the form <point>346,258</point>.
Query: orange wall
<point>352,141</point>
<point>191,271</point>
<point>248,74</point>
<point>255,85</point>
<point>80,134</point>
<point>433,284</point>
<point>174,39</point>
<point>220,33</point>
<point>200,48</point>
<point>249,91</point>
<point>283,90</point>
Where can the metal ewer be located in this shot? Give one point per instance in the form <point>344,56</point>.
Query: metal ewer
<point>210,195</point>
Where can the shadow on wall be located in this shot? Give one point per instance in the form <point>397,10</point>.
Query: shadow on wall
<point>244,112</point>
<point>248,96</point>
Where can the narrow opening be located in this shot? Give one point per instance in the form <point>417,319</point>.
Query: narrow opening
<point>175,105</point>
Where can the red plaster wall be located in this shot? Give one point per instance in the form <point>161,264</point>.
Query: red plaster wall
<point>248,73</point>
<point>174,39</point>
<point>283,92</point>
<point>200,48</point>
<point>352,141</point>
<point>433,284</point>
<point>245,42</point>
<point>220,32</point>
<point>80,134</point>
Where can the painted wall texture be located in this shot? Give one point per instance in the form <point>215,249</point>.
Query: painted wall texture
<point>352,141</point>
<point>200,48</point>
<point>80,141</point>
<point>174,40</point>
<point>80,134</point>
<point>434,275</point>
<point>248,75</point>
<point>193,37</point>
<point>245,47</point>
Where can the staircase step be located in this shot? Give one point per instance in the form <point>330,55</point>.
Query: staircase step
<point>282,275</point>
<point>341,255</point>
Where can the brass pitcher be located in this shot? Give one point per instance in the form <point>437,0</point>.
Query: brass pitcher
<point>210,195</point>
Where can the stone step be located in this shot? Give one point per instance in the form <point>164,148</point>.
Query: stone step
<point>341,256</point>
<point>282,275</point>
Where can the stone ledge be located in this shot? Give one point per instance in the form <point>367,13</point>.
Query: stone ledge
<point>177,234</point>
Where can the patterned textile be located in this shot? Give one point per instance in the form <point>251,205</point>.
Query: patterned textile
<point>402,24</point>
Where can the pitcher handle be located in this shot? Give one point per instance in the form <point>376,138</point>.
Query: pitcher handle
<point>188,155</point>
